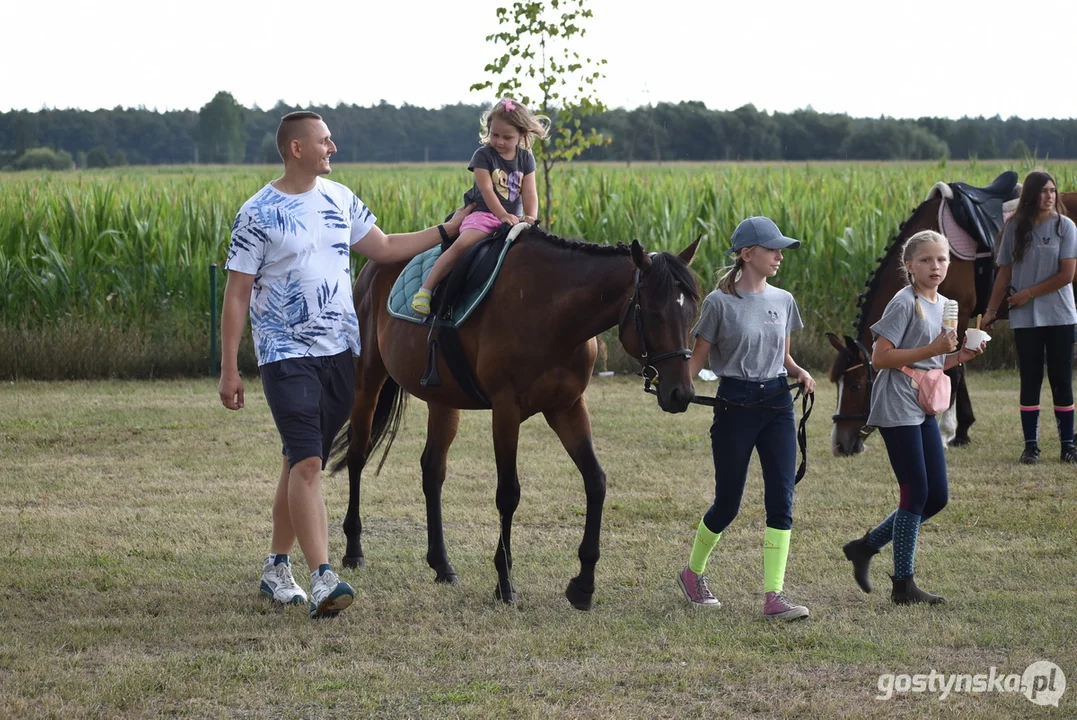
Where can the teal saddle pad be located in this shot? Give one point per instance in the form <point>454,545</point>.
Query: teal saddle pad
<point>411,279</point>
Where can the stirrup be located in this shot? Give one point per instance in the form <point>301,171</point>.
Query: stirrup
<point>420,304</point>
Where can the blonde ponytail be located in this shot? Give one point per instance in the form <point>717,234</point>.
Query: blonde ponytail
<point>916,302</point>
<point>727,283</point>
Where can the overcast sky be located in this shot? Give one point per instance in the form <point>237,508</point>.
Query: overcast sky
<point>899,58</point>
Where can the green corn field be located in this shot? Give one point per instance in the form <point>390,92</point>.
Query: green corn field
<point>107,274</point>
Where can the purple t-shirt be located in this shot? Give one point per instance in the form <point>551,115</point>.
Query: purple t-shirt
<point>507,176</point>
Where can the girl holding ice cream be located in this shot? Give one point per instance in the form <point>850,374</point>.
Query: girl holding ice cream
<point>911,334</point>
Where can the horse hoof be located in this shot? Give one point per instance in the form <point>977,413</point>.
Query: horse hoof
<point>354,562</point>
<point>580,598</point>
<point>447,579</point>
<point>960,442</point>
<point>509,598</point>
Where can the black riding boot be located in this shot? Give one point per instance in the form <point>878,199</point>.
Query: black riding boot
<point>859,554</point>
<point>905,592</point>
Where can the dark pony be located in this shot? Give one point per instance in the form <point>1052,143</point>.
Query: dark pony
<point>532,346</point>
<point>851,369</point>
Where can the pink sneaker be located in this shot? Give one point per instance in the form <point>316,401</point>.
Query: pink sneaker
<point>777,606</point>
<point>696,590</point>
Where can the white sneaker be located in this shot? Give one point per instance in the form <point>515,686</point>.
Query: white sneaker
<point>278,584</point>
<point>328,594</point>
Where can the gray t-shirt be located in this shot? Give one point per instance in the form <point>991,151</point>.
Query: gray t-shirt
<point>507,176</point>
<point>894,402</point>
<point>747,334</point>
<point>1039,263</point>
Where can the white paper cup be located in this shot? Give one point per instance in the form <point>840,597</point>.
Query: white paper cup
<point>974,337</point>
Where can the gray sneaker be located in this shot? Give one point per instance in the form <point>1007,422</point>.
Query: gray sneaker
<point>278,584</point>
<point>776,606</point>
<point>696,590</point>
<point>328,593</point>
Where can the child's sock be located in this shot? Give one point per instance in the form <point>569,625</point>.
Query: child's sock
<point>702,547</point>
<point>1064,420</point>
<point>906,530</point>
<point>1030,423</point>
<point>775,555</point>
<point>882,533</point>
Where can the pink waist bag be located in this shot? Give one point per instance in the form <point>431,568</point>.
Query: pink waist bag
<point>934,387</point>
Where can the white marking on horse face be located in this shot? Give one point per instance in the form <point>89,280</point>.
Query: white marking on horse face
<point>680,299</point>
<point>834,424</point>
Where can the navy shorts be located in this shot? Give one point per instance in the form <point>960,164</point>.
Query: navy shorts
<point>311,398</point>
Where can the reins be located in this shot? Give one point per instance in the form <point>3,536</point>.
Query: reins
<point>807,403</point>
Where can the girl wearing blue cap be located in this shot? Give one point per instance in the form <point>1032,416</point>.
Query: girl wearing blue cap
<point>743,330</point>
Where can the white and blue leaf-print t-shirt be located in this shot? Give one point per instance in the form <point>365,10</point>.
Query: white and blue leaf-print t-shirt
<point>297,247</point>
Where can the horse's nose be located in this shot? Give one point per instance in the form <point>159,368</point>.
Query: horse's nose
<point>680,398</point>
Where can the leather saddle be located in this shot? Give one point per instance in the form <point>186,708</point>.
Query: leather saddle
<point>979,209</point>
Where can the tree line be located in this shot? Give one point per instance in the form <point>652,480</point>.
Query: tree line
<point>224,132</point>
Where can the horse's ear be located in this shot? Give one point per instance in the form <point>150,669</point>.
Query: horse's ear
<point>689,253</point>
<point>851,344</point>
<point>640,257</point>
<point>835,342</point>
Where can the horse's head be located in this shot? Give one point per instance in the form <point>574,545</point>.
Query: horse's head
<point>655,325</point>
<point>854,376</point>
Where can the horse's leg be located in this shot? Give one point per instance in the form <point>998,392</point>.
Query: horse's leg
<point>367,389</point>
<point>441,430</point>
<point>506,427</point>
<point>965,418</point>
<point>573,428</point>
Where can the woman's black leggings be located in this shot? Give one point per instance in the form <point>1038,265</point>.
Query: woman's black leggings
<point>1055,343</point>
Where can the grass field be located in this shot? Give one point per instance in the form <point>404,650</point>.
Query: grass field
<point>134,517</point>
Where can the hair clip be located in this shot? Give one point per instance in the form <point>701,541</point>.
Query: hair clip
<point>509,104</point>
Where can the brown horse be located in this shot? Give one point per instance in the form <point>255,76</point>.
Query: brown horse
<point>852,371</point>
<point>532,346</point>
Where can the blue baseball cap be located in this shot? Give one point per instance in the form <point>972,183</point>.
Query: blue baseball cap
<point>760,230</point>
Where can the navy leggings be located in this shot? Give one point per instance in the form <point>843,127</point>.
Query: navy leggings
<point>1055,344</point>
<point>919,461</point>
<point>770,429</point>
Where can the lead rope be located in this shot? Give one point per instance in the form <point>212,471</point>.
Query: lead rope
<point>807,404</point>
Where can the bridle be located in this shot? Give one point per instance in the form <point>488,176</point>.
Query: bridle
<point>650,379</point>
<point>648,371</point>
<point>865,361</point>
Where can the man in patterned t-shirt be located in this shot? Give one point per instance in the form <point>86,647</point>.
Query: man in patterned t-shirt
<point>288,262</point>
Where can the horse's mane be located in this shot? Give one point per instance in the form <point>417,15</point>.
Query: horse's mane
<point>666,272</point>
<point>871,287</point>
<point>864,300</point>
<point>579,245</point>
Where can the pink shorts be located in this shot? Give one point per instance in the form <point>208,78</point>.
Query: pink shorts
<point>485,221</point>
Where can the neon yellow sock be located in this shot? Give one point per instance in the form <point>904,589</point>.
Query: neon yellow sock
<point>701,548</point>
<point>775,554</point>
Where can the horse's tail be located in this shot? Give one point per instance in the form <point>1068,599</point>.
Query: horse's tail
<point>392,402</point>
<point>388,413</point>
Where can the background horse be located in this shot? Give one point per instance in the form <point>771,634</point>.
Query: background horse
<point>532,346</point>
<point>852,371</point>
